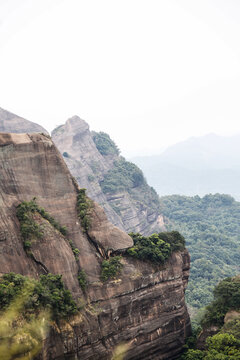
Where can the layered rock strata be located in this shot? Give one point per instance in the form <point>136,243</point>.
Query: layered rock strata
<point>125,209</point>
<point>144,308</point>
<point>136,209</point>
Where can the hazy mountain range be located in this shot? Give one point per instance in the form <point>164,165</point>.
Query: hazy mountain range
<point>197,166</point>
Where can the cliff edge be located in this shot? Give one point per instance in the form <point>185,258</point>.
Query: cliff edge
<point>144,307</point>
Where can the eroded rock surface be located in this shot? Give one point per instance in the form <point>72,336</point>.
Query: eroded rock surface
<point>15,124</point>
<point>143,308</point>
<point>135,210</point>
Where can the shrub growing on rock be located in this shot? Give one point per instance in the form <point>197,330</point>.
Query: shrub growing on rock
<point>156,248</point>
<point>111,268</point>
<point>48,293</point>
<point>84,205</point>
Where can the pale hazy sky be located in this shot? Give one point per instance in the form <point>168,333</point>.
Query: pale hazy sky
<point>148,72</point>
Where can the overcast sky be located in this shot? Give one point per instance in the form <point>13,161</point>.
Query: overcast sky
<point>148,72</point>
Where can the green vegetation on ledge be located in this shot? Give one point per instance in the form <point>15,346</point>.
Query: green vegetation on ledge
<point>211,227</point>
<point>75,250</point>
<point>82,279</point>
<point>156,248</point>
<point>111,268</point>
<point>28,227</point>
<point>48,293</point>
<point>123,176</point>
<point>84,205</point>
<point>104,144</point>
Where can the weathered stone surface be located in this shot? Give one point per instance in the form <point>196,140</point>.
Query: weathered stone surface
<point>106,235</point>
<point>89,167</point>
<point>204,334</point>
<point>30,166</point>
<point>144,307</point>
<point>15,124</point>
<point>231,315</point>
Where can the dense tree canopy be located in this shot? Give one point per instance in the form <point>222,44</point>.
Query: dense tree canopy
<point>211,227</point>
<point>156,248</point>
<point>104,144</point>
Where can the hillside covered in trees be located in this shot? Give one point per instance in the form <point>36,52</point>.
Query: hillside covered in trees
<point>211,227</point>
<point>221,321</point>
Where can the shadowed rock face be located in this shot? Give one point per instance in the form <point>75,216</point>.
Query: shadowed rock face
<point>144,307</point>
<point>125,209</point>
<point>15,124</point>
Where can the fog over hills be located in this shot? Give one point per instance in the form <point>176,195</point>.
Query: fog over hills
<point>197,166</point>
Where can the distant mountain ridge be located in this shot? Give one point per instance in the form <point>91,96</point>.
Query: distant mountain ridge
<point>197,166</point>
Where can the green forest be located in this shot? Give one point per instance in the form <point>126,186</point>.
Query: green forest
<point>222,313</point>
<point>211,227</point>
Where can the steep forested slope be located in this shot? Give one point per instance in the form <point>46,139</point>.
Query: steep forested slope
<point>211,226</point>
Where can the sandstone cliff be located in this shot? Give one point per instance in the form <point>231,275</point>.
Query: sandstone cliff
<point>15,124</point>
<point>132,208</point>
<point>129,204</point>
<point>144,307</point>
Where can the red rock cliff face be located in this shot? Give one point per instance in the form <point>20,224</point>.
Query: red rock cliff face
<point>144,307</point>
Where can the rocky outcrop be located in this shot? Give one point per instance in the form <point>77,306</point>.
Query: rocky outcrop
<point>144,308</point>
<point>15,124</point>
<point>134,208</point>
<point>31,166</point>
<point>204,334</point>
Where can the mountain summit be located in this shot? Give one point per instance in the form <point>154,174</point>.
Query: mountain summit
<point>118,185</point>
